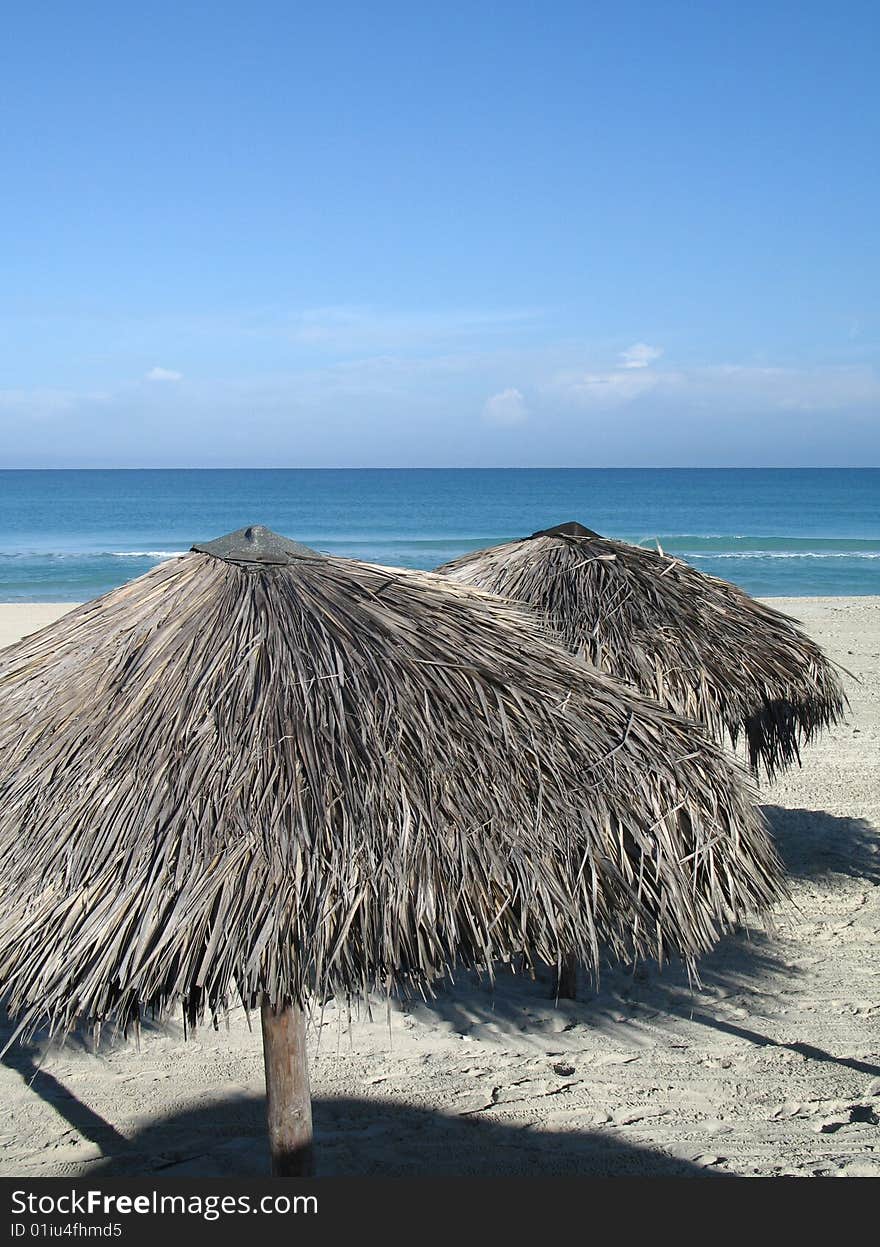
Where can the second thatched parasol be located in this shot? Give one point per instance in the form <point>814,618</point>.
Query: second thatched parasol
<point>698,644</point>
<point>261,773</point>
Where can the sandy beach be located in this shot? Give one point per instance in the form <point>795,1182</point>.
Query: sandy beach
<point>770,1067</point>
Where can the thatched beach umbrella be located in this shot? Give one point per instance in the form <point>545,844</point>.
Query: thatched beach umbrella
<point>696,643</point>
<point>265,774</point>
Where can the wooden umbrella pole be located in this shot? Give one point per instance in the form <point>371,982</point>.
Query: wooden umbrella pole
<point>567,982</point>
<point>288,1100</point>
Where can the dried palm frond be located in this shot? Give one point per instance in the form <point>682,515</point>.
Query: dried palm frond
<point>698,644</point>
<point>264,772</point>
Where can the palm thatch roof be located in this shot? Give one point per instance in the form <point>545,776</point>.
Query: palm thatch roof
<point>696,643</point>
<point>262,772</point>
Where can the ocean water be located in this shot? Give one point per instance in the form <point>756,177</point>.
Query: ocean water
<point>70,535</point>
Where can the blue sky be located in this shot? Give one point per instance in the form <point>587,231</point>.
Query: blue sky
<point>460,234</point>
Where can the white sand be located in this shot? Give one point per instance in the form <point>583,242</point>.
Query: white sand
<point>773,1068</point>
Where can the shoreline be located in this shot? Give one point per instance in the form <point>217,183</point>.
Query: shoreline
<point>18,619</point>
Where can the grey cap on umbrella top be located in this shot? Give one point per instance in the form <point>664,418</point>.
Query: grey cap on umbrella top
<point>571,529</point>
<point>256,544</point>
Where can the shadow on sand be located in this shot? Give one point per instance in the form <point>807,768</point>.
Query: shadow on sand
<point>625,1000</point>
<point>24,1059</point>
<point>380,1138</point>
<point>813,843</point>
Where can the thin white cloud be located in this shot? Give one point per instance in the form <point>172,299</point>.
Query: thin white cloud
<point>640,355</point>
<point>609,389</point>
<point>724,387</point>
<point>44,403</point>
<point>507,408</point>
<point>163,374</point>
<point>351,328</point>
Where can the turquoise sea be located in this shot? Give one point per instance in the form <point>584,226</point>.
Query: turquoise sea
<point>70,535</point>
